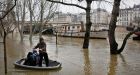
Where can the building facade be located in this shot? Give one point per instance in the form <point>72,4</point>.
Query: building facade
<point>97,16</point>
<point>67,20</point>
<point>129,16</point>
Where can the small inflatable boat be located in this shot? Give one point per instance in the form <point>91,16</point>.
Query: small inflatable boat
<point>52,65</point>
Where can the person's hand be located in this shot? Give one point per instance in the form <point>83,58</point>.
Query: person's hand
<point>40,49</point>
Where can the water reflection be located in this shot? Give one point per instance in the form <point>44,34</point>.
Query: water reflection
<point>31,42</point>
<point>122,58</point>
<point>113,64</point>
<point>56,52</point>
<point>87,65</point>
<point>22,49</point>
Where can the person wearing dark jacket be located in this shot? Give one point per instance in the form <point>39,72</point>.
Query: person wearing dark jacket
<point>42,52</point>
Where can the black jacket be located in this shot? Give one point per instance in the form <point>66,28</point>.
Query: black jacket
<point>42,46</point>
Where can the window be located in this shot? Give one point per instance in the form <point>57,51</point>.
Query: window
<point>78,26</point>
<point>68,28</point>
<point>73,27</point>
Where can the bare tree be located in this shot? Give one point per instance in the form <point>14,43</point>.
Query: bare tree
<point>45,13</point>
<point>112,26</point>
<point>41,17</point>
<point>88,20</point>
<point>7,7</point>
<point>20,16</point>
<point>31,8</point>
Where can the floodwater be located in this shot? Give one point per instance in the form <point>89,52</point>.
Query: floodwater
<point>75,61</point>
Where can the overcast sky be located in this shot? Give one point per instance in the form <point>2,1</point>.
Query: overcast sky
<point>107,6</point>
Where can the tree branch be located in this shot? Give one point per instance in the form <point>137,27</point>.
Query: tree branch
<point>125,40</point>
<point>70,4</point>
<point>2,25</point>
<point>104,1</point>
<point>6,12</point>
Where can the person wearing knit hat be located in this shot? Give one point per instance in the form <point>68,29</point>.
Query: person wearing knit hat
<point>42,52</point>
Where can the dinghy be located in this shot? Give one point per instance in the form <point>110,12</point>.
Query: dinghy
<point>52,65</point>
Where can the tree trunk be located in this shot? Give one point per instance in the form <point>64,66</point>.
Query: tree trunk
<point>5,53</point>
<point>112,27</point>
<point>31,33</point>
<point>88,25</point>
<point>41,19</point>
<point>20,31</point>
<point>1,32</point>
<point>31,13</point>
<point>17,15</point>
<point>23,21</point>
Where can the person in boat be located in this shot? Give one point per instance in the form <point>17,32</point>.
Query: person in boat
<point>31,59</point>
<point>42,52</point>
<point>35,56</point>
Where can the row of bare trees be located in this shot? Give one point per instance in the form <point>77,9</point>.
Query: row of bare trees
<point>14,15</point>
<point>37,12</point>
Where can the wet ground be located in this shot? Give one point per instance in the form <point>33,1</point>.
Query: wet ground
<point>76,61</point>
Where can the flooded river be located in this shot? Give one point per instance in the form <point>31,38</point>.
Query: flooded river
<point>75,61</point>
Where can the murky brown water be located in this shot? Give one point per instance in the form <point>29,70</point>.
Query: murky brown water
<point>75,60</point>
